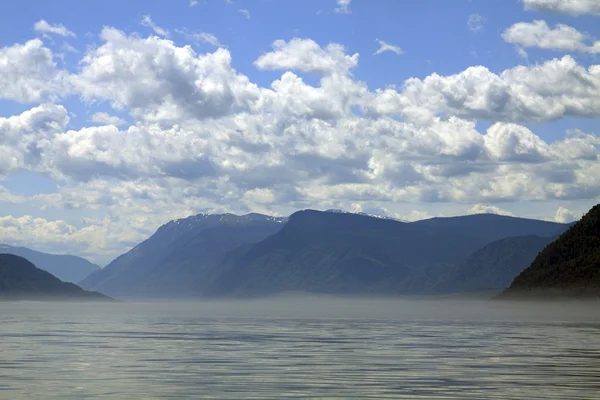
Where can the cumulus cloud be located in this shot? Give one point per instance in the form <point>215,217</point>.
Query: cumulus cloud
<point>383,47</point>
<point>539,34</point>
<point>204,137</point>
<point>59,29</point>
<point>147,22</point>
<point>343,6</point>
<point>307,56</point>
<point>136,152</point>
<point>414,215</point>
<point>7,197</point>
<point>512,142</point>
<point>572,7</point>
<point>564,215</point>
<point>23,137</point>
<point>107,119</point>
<point>296,135</point>
<point>104,238</point>
<point>29,74</point>
<point>487,209</point>
<point>156,80</point>
<point>260,200</point>
<point>557,88</point>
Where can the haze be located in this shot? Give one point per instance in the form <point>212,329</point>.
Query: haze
<point>299,199</point>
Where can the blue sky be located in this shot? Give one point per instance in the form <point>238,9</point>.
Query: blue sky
<point>407,108</point>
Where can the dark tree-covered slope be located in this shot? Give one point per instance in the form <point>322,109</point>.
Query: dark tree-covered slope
<point>21,280</point>
<point>570,266</point>
<point>65,267</point>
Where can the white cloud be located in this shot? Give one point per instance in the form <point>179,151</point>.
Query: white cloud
<point>309,135</point>
<point>572,7</point>
<point>260,196</point>
<point>475,22</point>
<point>200,37</point>
<point>383,47</point>
<point>193,3</point>
<point>204,137</point>
<point>487,209</point>
<point>105,237</point>
<point>7,197</point>
<point>564,215</point>
<point>107,119</point>
<point>555,89</point>
<point>147,22</point>
<point>157,80</point>
<point>539,34</point>
<point>245,13</point>
<point>28,73</point>
<point>512,142</point>
<point>414,216</point>
<point>23,137</point>
<point>151,152</point>
<point>208,38</point>
<point>59,29</point>
<point>385,159</point>
<point>343,6</point>
<point>307,56</point>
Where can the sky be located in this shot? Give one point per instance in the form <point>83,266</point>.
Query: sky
<point>118,116</point>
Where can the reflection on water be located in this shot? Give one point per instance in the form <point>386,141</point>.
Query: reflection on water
<point>378,350</point>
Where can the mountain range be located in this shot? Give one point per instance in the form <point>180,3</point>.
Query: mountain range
<point>494,266</point>
<point>172,261</point>
<point>324,252</point>
<point>21,280</point>
<point>65,267</point>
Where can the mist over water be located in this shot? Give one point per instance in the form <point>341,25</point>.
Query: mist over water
<point>300,347</point>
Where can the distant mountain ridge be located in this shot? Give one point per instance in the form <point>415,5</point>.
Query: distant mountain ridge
<point>142,271</point>
<point>67,268</point>
<point>351,253</point>
<point>494,266</point>
<point>568,267</point>
<point>21,280</point>
<point>329,251</point>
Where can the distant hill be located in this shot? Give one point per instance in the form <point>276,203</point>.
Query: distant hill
<point>65,267</point>
<point>570,266</point>
<point>21,280</point>
<point>329,252</point>
<point>170,262</point>
<point>493,267</point>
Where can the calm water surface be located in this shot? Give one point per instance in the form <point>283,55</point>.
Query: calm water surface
<point>299,348</point>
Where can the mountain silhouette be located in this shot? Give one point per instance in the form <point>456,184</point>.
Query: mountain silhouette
<point>170,263</point>
<point>65,267</point>
<point>21,280</point>
<point>348,253</point>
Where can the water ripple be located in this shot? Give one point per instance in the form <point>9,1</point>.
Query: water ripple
<point>142,353</point>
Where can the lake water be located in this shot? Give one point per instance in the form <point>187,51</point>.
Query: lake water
<point>316,348</point>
